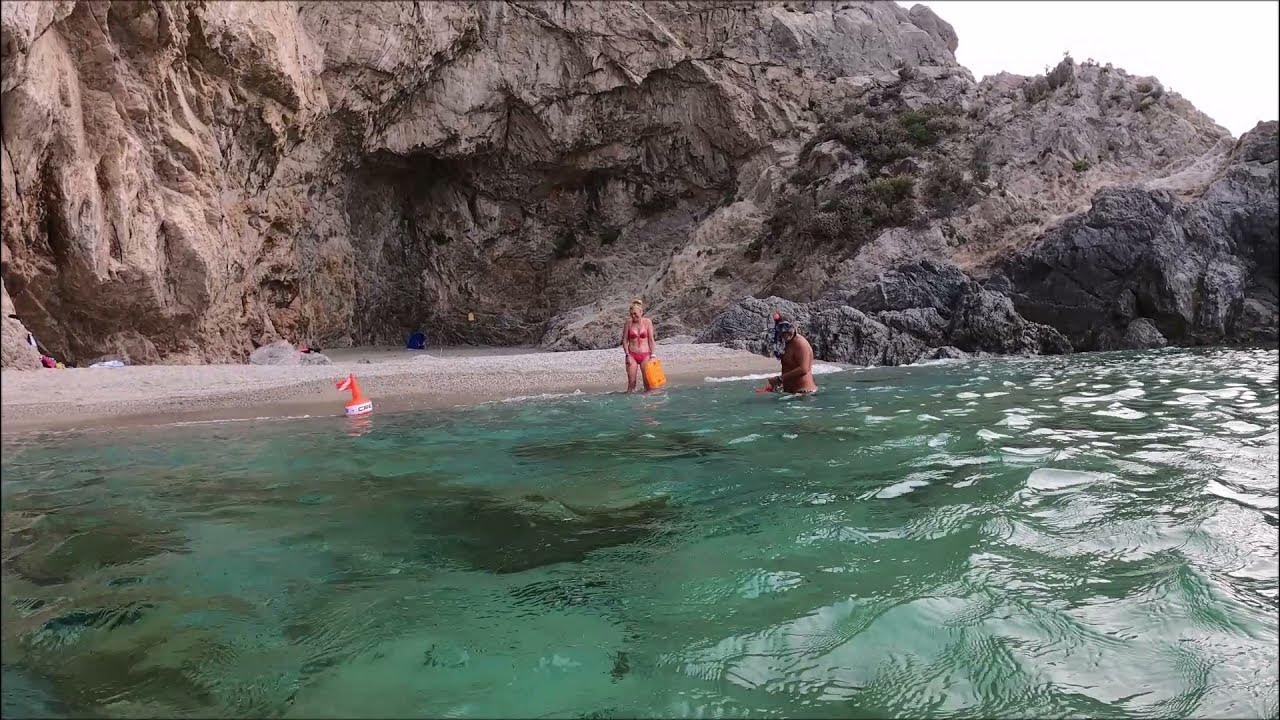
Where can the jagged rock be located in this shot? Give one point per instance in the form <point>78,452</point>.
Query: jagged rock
<point>843,334</point>
<point>15,352</point>
<point>131,347</point>
<point>925,323</point>
<point>585,328</point>
<point>314,358</point>
<point>903,349</point>
<point>946,352</point>
<point>926,20</point>
<point>1142,334</point>
<point>280,352</point>
<point>923,296</point>
<point>751,318</point>
<point>1187,267</point>
<point>599,325</point>
<point>923,284</point>
<point>828,157</point>
<point>985,321</point>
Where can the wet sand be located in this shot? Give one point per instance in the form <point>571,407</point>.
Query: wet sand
<point>394,378</point>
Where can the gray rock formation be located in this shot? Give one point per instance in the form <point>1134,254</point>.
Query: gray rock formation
<point>925,323</point>
<point>184,182</point>
<point>922,284</point>
<point>946,352</point>
<point>920,310</point>
<point>282,352</point>
<point>1143,267</point>
<point>985,321</point>
<point>1142,335</point>
<point>751,318</point>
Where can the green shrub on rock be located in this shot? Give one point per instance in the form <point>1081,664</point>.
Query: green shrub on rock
<point>946,189</point>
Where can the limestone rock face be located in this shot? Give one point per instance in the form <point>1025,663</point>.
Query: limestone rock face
<point>15,351</point>
<point>189,181</point>
<point>213,176</point>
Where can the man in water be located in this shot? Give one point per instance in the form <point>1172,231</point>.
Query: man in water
<point>797,361</point>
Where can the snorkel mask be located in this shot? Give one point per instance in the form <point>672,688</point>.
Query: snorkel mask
<point>780,327</point>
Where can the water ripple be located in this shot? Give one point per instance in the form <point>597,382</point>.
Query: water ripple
<point>1085,536</point>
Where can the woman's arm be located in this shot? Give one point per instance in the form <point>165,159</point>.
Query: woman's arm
<point>653,338</point>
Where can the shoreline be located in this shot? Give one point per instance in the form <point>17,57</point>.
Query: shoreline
<point>149,395</point>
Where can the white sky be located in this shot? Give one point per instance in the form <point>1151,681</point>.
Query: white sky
<point>1221,56</point>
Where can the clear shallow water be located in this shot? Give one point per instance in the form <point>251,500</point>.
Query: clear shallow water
<point>1094,535</point>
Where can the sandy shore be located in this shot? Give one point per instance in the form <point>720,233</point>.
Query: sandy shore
<point>395,380</point>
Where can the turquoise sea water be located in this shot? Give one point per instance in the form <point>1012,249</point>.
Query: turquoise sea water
<point>1092,535</point>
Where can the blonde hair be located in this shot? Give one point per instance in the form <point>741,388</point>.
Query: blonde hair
<point>637,303</point>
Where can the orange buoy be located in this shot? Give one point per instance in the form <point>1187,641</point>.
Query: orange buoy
<point>654,378</point>
<point>359,405</point>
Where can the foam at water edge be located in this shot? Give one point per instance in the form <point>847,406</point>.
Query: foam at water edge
<point>818,369</point>
<point>542,396</point>
<point>938,361</point>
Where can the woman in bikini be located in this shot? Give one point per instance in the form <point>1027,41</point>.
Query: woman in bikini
<point>638,342</point>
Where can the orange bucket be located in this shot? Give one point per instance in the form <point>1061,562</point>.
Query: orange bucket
<point>654,378</point>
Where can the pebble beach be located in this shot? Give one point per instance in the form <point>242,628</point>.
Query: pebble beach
<point>396,380</point>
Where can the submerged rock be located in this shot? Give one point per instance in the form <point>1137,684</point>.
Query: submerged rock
<point>503,536</point>
<point>66,548</point>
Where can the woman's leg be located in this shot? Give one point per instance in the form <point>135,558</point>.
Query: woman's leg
<point>632,370</point>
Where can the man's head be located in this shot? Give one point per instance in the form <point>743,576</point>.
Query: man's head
<point>784,330</point>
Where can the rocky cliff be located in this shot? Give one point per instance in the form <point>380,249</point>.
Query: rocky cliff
<point>185,182</point>
<point>1141,268</point>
